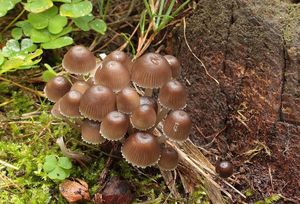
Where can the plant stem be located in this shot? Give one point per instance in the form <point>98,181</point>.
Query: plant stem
<point>148,92</point>
<point>13,21</point>
<point>161,115</point>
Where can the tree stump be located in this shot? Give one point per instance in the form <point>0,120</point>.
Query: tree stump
<point>251,114</point>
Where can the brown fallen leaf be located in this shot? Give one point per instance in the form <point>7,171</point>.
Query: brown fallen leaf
<point>74,191</point>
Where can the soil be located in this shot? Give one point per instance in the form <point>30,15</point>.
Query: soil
<point>248,109</point>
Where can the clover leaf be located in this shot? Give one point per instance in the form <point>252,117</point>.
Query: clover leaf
<point>1,58</point>
<point>41,20</point>
<point>17,33</point>
<point>57,168</point>
<point>37,6</point>
<point>77,9</point>
<point>40,36</point>
<point>58,43</point>
<point>7,5</point>
<point>26,27</point>
<point>83,22</point>
<point>98,25</point>
<point>57,23</point>
<point>48,74</point>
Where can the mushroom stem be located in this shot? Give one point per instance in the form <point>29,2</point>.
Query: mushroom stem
<point>80,158</point>
<point>162,113</point>
<point>162,139</point>
<point>148,92</point>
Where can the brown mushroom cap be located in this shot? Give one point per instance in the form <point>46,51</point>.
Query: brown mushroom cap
<point>175,65</point>
<point>55,111</point>
<point>151,71</point>
<point>172,95</point>
<point>90,132</point>
<point>141,149</point>
<point>127,100</point>
<point>177,125</point>
<point>96,102</point>
<point>146,100</point>
<point>79,60</point>
<point>121,57</point>
<point>143,117</point>
<point>112,75</point>
<point>56,88</point>
<point>69,104</point>
<point>80,86</point>
<point>169,159</point>
<point>114,125</point>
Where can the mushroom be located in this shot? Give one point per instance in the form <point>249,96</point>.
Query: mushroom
<point>69,104</point>
<point>172,96</point>
<point>141,149</point>
<point>80,86</point>
<point>55,111</point>
<point>114,126</point>
<point>121,57</point>
<point>151,71</point>
<point>90,132</point>
<point>169,159</point>
<point>224,168</point>
<point>177,126</point>
<point>56,88</point>
<point>127,100</point>
<point>143,117</point>
<point>96,102</point>
<point>175,65</point>
<point>113,75</point>
<point>146,100</point>
<point>79,60</point>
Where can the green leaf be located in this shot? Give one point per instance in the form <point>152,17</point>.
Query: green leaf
<point>64,1</point>
<point>57,174</point>
<point>57,24</point>
<point>27,45</point>
<point>65,31</point>
<point>64,162</point>
<point>76,10</point>
<point>58,43</point>
<point>3,12</point>
<point>40,36</point>
<point>26,26</point>
<point>37,20</point>
<point>17,33</point>
<point>6,5</point>
<point>31,56</point>
<point>13,45</point>
<point>1,58</point>
<point>82,22</point>
<point>37,6</point>
<point>48,74</point>
<point>11,64</point>
<point>98,25</point>
<point>50,163</point>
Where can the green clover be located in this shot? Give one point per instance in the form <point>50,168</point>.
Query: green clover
<point>57,168</point>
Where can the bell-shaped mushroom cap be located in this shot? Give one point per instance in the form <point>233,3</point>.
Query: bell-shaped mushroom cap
<point>90,132</point>
<point>141,149</point>
<point>80,86</point>
<point>224,168</point>
<point>56,88</point>
<point>127,100</point>
<point>114,125</point>
<point>172,95</point>
<point>79,60</point>
<point>91,81</point>
<point>55,111</point>
<point>112,75</point>
<point>175,65</point>
<point>96,102</point>
<point>69,104</point>
<point>146,100</point>
<point>143,117</point>
<point>151,71</point>
<point>169,159</point>
<point>121,57</point>
<point>177,126</point>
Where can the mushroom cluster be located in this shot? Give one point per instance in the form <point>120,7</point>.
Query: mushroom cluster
<point>114,100</point>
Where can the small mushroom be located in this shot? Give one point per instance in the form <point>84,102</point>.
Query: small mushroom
<point>127,100</point>
<point>177,126</point>
<point>151,71</point>
<point>69,104</point>
<point>143,117</point>
<point>56,88</point>
<point>224,168</point>
<point>175,65</point>
<point>172,96</point>
<point>169,159</point>
<point>113,75</point>
<point>114,126</point>
<point>141,149</point>
<point>146,100</point>
<point>96,102</point>
<point>121,57</point>
<point>79,60</point>
<point>55,111</point>
<point>90,132</point>
<point>80,86</point>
